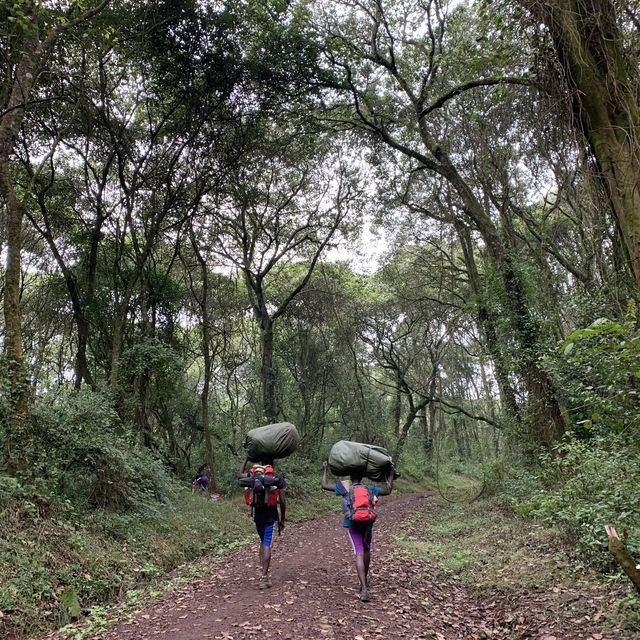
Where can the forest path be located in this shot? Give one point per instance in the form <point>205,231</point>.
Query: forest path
<point>314,595</point>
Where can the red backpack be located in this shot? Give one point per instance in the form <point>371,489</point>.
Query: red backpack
<point>261,489</point>
<point>362,503</point>
<point>271,491</point>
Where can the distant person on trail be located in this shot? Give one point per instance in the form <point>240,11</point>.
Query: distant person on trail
<point>264,492</point>
<point>200,484</point>
<point>358,510</point>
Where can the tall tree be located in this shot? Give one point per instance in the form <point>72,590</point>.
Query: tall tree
<point>29,35</point>
<point>394,73</point>
<point>285,208</point>
<point>591,39</point>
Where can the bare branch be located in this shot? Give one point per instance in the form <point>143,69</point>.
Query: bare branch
<point>473,84</point>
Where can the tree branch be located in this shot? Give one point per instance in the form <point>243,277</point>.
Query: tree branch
<point>457,409</point>
<point>467,86</point>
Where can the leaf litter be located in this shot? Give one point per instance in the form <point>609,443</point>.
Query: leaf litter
<point>314,595</point>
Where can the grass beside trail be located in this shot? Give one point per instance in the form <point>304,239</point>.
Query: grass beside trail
<point>54,565</point>
<point>484,545</point>
<point>481,542</point>
<point>58,565</point>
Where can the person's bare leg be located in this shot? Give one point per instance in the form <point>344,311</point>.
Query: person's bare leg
<point>362,577</point>
<point>366,556</point>
<point>266,559</point>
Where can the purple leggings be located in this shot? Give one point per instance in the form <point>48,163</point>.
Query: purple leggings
<point>361,536</point>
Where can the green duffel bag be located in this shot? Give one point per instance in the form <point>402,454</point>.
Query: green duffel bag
<point>277,440</point>
<point>348,457</point>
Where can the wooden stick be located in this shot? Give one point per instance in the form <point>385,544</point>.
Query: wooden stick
<point>619,551</point>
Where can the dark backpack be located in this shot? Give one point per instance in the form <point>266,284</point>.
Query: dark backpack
<point>261,488</point>
<point>362,503</point>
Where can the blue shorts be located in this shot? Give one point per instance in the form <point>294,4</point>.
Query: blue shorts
<point>265,531</point>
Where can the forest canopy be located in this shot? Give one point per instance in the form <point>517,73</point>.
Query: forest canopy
<point>191,194</point>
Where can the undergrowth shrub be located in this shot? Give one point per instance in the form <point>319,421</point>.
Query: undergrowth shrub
<point>598,374</point>
<point>592,477</point>
<point>80,449</point>
<point>73,560</point>
<point>583,486</point>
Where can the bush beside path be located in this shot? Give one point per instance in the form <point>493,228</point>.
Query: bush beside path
<point>314,595</point>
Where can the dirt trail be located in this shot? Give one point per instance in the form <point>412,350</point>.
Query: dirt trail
<point>314,596</point>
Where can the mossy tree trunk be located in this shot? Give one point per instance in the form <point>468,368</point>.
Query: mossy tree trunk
<point>17,85</point>
<point>31,48</point>
<point>604,89</point>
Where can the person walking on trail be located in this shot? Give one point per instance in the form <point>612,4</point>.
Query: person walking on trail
<point>358,517</point>
<point>265,492</point>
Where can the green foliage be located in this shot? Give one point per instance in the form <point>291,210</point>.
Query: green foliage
<point>599,375</point>
<point>70,603</point>
<point>78,449</point>
<point>160,360</point>
<point>582,486</point>
<point>418,463</point>
<point>56,562</point>
<point>16,15</point>
<point>591,478</point>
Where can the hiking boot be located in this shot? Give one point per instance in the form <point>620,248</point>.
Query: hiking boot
<point>265,582</point>
<point>364,595</point>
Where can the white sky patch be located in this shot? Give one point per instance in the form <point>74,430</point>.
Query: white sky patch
<point>364,255</point>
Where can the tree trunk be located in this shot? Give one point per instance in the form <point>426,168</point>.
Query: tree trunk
<point>208,368</point>
<point>427,434</point>
<point>204,406</point>
<point>82,366</point>
<point>83,371</point>
<point>622,556</point>
<point>267,372</point>
<point>604,88</point>
<point>207,357</point>
<point>397,410</point>
<point>18,90</point>
<point>487,325</point>
<point>492,410</point>
<point>458,437</point>
<point>12,312</point>
<point>117,337</point>
<point>414,410</point>
<point>544,410</point>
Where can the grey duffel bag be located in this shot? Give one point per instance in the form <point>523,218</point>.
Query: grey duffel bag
<point>277,440</point>
<point>348,457</point>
